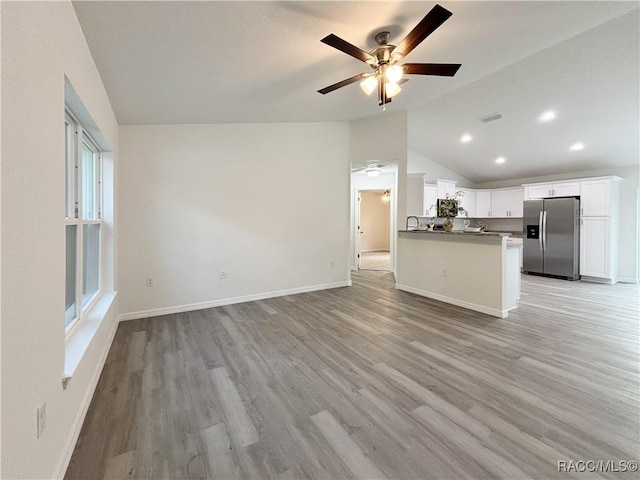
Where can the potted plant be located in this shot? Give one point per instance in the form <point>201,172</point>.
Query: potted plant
<point>451,208</point>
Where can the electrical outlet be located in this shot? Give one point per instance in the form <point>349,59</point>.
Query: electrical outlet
<point>222,275</point>
<point>331,264</point>
<point>149,281</point>
<point>41,419</point>
<point>444,273</point>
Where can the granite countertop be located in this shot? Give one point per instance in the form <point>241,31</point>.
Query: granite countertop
<point>458,232</point>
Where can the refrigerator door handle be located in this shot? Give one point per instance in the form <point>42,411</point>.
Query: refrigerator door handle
<point>540,227</point>
<point>544,230</point>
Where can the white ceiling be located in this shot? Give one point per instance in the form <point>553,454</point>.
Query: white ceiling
<point>237,61</point>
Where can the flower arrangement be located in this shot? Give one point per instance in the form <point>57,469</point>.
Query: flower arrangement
<point>450,207</point>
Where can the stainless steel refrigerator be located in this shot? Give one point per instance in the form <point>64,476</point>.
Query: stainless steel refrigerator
<point>552,237</point>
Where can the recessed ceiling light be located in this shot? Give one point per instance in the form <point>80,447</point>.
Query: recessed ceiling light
<point>547,116</point>
<point>500,160</point>
<point>576,146</point>
<point>466,138</point>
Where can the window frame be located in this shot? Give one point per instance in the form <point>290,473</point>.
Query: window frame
<point>74,214</point>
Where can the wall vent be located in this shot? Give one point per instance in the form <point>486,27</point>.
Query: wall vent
<point>491,117</point>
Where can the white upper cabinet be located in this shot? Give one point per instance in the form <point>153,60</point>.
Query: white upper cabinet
<point>500,202</point>
<point>534,192</point>
<point>595,200</point>
<point>517,199</point>
<point>507,202</point>
<point>446,188</point>
<point>550,190</point>
<point>430,199</point>
<point>483,203</point>
<point>567,189</point>
<point>468,202</point>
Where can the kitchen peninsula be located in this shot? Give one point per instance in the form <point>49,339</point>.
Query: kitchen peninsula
<point>478,271</point>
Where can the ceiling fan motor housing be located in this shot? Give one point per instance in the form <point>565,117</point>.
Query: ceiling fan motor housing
<point>382,54</point>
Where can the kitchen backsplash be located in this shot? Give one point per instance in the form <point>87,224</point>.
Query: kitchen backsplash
<point>501,224</point>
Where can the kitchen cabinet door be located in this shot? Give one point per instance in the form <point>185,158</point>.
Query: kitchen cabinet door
<point>429,200</point>
<point>500,203</point>
<point>516,201</point>
<point>568,189</point>
<point>595,198</point>
<point>536,192</point>
<point>483,203</point>
<point>446,189</point>
<point>595,247</point>
<point>468,202</point>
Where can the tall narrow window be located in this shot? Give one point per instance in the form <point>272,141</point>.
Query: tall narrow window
<point>83,220</point>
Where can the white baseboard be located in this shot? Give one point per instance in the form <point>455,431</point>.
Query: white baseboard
<point>154,312</point>
<point>586,278</point>
<point>627,280</point>
<point>494,312</point>
<point>76,427</point>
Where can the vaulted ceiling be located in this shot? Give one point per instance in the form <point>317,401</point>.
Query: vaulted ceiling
<point>237,61</point>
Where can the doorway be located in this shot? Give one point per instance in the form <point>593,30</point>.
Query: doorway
<point>374,230</point>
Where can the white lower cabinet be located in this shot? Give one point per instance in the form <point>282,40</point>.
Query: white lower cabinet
<point>595,247</point>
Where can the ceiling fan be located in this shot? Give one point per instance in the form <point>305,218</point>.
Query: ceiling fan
<point>387,74</point>
<point>372,169</point>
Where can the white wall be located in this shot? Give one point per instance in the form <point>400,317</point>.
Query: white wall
<point>374,221</point>
<point>267,203</point>
<point>421,170</point>
<point>41,43</point>
<point>432,171</point>
<point>629,227</point>
<point>422,259</point>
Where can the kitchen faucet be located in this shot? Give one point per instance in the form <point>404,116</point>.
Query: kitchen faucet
<point>417,222</point>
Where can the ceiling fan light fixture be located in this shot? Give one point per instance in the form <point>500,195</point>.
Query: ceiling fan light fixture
<point>383,59</point>
<point>372,171</point>
<point>369,84</point>
<point>394,73</point>
<point>392,89</point>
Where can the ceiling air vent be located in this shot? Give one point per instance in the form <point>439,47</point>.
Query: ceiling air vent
<point>491,117</point>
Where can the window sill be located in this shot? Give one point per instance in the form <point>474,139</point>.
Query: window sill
<point>80,337</point>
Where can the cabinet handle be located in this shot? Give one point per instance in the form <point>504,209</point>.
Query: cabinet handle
<point>581,211</point>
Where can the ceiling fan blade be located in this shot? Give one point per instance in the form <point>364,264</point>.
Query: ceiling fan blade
<point>441,69</point>
<point>344,46</point>
<point>343,83</point>
<point>432,20</point>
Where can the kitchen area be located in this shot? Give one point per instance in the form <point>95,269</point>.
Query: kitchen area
<point>565,229</point>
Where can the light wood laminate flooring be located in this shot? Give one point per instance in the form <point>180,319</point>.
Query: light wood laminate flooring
<point>370,382</point>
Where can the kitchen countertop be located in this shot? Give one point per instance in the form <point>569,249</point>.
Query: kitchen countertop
<point>457,232</point>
